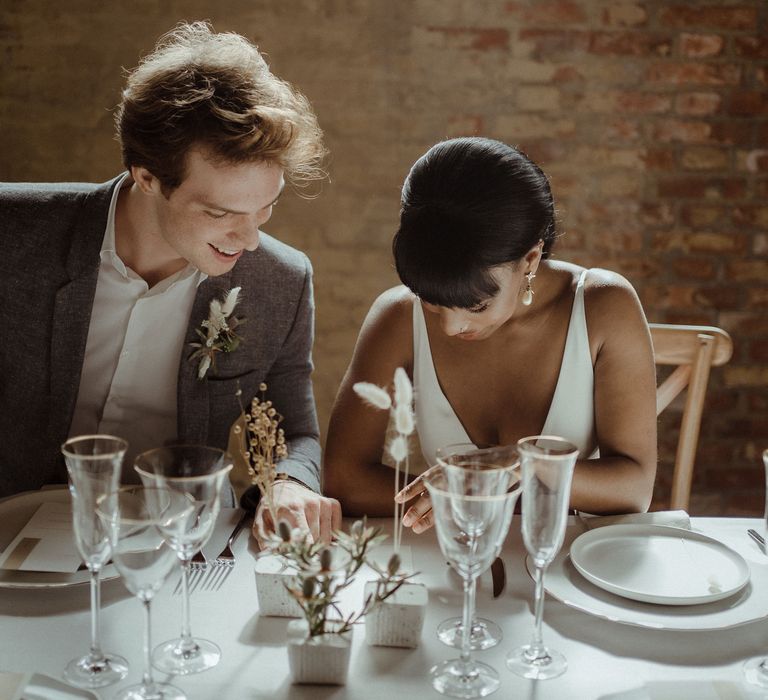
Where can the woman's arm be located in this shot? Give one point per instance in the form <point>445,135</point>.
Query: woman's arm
<point>621,481</point>
<point>352,468</point>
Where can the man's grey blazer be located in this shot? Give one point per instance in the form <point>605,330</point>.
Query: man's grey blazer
<point>51,238</point>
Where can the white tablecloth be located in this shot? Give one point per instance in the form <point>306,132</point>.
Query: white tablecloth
<point>41,630</point>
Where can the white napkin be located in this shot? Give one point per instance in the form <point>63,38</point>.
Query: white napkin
<point>671,518</point>
<point>37,686</point>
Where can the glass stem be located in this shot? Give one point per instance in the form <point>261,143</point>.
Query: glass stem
<point>147,680</point>
<point>537,649</point>
<point>96,653</point>
<point>468,615</point>
<point>186,643</point>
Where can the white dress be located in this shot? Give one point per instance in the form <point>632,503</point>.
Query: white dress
<point>571,412</point>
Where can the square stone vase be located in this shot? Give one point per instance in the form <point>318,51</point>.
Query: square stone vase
<point>322,660</point>
<point>398,620</point>
<point>272,574</point>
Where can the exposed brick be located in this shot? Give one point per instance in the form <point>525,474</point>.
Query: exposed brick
<point>749,504</point>
<point>728,297</point>
<point>549,43</point>
<point>624,14</point>
<point>684,131</point>
<point>538,98</point>
<point>737,478</point>
<point>758,352</point>
<point>465,125</point>
<point>753,161</point>
<point>749,103</point>
<point>622,130</point>
<point>715,16</point>
<point>642,102</point>
<point>468,38</point>
<point>748,270</point>
<point>705,158</point>
<point>619,184</point>
<point>701,215</point>
<point>757,401</point>
<point>751,216</point>
<point>694,268</point>
<point>697,317</point>
<point>752,375</point>
<point>760,244</point>
<point>753,47</point>
<point>629,44</point>
<point>693,74</point>
<point>735,133</point>
<point>761,75</point>
<point>697,187</point>
<point>517,127</point>
<point>659,159</point>
<point>656,214</point>
<point>701,45</point>
<point>744,323</point>
<point>674,296</point>
<point>557,12</point>
<point>699,242</point>
<point>698,103</point>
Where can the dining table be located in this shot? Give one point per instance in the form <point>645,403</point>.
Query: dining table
<point>609,657</point>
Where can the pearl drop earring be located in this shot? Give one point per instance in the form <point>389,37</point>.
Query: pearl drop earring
<point>528,293</point>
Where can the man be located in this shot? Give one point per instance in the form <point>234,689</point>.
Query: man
<point>104,287</point>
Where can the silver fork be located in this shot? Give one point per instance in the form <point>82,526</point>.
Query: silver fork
<point>197,567</point>
<point>223,564</point>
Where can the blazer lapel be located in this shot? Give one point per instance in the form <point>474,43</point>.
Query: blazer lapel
<point>192,393</point>
<point>73,306</point>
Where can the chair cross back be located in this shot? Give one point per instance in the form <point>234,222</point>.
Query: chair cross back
<point>694,350</point>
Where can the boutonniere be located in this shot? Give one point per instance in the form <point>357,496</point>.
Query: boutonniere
<point>218,332</point>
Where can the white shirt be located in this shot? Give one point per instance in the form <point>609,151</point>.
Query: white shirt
<point>129,376</point>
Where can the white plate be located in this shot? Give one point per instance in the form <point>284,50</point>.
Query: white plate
<point>563,582</point>
<point>14,514</point>
<point>659,564</point>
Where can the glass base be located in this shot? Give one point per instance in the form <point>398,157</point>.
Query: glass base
<point>756,672</point>
<point>171,657</point>
<point>550,664</point>
<point>461,679</point>
<point>157,691</point>
<point>484,635</point>
<point>87,672</point>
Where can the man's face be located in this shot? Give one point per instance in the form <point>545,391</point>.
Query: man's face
<point>216,212</point>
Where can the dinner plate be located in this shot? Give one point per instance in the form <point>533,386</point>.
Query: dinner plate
<point>659,564</point>
<point>567,585</point>
<point>14,514</point>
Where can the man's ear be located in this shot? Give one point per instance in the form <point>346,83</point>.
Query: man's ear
<point>145,180</point>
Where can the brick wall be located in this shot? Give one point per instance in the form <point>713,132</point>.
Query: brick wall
<point>651,118</point>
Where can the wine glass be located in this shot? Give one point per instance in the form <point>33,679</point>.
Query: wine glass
<point>141,521</point>
<point>547,464</point>
<point>756,670</point>
<point>471,527</point>
<point>93,464</point>
<point>484,633</point>
<point>200,472</point>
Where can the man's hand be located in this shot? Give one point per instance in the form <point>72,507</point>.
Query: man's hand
<point>302,508</point>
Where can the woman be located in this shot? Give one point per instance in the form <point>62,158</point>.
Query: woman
<point>500,340</point>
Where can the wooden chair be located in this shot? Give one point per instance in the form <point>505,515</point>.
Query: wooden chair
<point>694,349</point>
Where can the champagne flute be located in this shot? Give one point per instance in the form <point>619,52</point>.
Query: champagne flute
<point>547,464</point>
<point>140,522</point>
<point>470,529</point>
<point>93,464</point>
<point>199,472</point>
<point>484,633</point>
<point>756,670</point>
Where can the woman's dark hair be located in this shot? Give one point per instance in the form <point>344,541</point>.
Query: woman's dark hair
<point>469,205</point>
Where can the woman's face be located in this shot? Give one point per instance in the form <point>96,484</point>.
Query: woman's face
<point>486,318</point>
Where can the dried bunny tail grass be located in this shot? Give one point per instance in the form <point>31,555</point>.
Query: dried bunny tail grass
<point>404,423</point>
<point>230,301</point>
<point>373,395</point>
<point>403,387</point>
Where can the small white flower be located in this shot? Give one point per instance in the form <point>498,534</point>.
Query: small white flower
<point>230,302</point>
<point>403,387</point>
<point>404,419</point>
<point>205,363</point>
<point>374,395</point>
<point>398,448</point>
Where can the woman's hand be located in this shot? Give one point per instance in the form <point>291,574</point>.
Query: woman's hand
<point>419,516</point>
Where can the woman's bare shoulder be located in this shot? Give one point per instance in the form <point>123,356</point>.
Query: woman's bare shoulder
<point>392,310</point>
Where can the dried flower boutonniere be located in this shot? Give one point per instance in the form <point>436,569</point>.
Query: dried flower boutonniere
<point>218,332</point>
<point>264,445</point>
<point>401,410</point>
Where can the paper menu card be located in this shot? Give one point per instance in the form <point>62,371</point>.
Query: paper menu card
<point>45,543</point>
